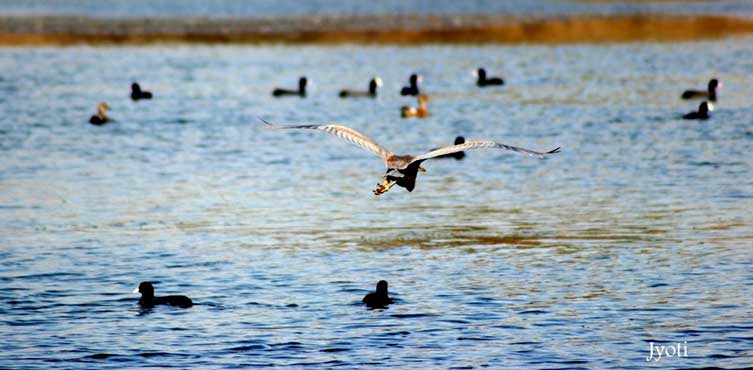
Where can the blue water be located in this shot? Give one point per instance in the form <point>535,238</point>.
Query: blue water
<point>639,231</point>
<point>262,8</point>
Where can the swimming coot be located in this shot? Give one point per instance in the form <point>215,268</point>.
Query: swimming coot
<point>420,112</point>
<point>709,94</point>
<point>380,298</point>
<point>138,94</point>
<point>457,155</point>
<point>149,300</point>
<point>411,89</point>
<point>302,82</point>
<point>101,117</point>
<point>702,113</point>
<point>484,81</point>
<point>375,83</point>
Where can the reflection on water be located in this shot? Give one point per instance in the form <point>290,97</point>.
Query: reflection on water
<point>638,231</point>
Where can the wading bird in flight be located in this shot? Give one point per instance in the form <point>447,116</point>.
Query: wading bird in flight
<point>402,170</point>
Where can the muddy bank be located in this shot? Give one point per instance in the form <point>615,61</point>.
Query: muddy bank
<point>396,30</point>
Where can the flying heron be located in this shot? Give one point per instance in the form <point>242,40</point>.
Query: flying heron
<point>402,170</point>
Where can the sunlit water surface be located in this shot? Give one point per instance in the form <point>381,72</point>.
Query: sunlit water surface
<point>639,231</point>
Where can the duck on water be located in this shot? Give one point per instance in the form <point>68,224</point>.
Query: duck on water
<point>374,84</point>
<point>100,118</point>
<point>301,92</point>
<point>148,299</point>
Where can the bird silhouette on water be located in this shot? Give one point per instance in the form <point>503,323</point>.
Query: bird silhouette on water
<point>702,113</point>
<point>457,155</point>
<point>380,298</point>
<point>100,118</point>
<point>148,299</point>
<point>412,88</point>
<point>138,94</point>
<point>709,94</point>
<point>374,84</point>
<point>302,82</point>
<point>483,80</point>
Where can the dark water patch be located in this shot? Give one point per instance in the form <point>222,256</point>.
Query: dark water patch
<point>509,327</point>
<point>455,321</point>
<point>29,322</point>
<point>319,364</point>
<point>286,345</point>
<point>335,349</point>
<point>100,356</point>
<point>477,338</point>
<point>412,315</point>
<point>533,312</point>
<point>252,347</point>
<point>719,356</point>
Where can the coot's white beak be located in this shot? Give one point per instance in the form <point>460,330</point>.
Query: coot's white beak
<point>711,106</point>
<point>136,290</point>
<point>475,73</point>
<point>378,81</point>
<point>720,85</point>
<point>420,78</point>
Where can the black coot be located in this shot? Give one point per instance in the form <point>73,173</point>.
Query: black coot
<point>702,113</point>
<point>374,84</point>
<point>138,94</point>
<point>484,81</point>
<point>459,155</point>
<point>300,92</point>
<point>380,298</point>
<point>411,89</point>
<point>709,94</point>
<point>148,299</point>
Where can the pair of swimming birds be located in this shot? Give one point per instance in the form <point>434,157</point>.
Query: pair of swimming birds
<point>402,170</point>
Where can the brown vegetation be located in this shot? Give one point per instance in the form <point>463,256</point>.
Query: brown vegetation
<point>396,30</point>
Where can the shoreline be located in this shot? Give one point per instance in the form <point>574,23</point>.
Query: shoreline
<point>374,29</point>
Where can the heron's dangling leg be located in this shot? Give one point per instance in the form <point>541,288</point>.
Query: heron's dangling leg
<point>384,187</point>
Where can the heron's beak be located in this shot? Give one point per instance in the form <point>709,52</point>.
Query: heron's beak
<point>421,169</point>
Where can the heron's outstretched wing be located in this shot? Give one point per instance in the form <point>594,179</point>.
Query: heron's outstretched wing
<point>480,144</point>
<point>346,133</point>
